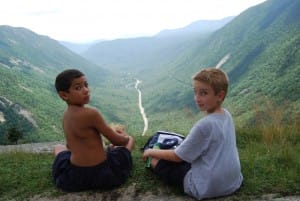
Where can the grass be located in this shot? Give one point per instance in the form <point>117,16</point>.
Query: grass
<point>269,168</point>
<point>270,159</point>
<point>24,174</point>
<point>270,152</point>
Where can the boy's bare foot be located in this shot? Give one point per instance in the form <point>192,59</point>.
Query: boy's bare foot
<point>130,144</point>
<point>59,148</point>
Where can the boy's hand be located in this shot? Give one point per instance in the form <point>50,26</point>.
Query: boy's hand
<point>118,128</point>
<point>122,133</point>
<point>146,154</point>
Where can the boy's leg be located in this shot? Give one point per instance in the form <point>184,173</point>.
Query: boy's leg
<point>172,173</point>
<point>130,144</point>
<point>120,160</point>
<point>154,162</point>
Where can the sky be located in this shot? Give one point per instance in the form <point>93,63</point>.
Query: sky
<point>88,20</point>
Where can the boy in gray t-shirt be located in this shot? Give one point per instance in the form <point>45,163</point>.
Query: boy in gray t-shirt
<point>206,164</point>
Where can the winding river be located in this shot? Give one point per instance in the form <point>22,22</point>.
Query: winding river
<point>142,110</point>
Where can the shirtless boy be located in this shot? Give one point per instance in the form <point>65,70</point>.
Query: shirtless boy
<point>83,164</point>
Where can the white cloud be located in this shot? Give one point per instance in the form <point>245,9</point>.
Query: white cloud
<point>77,20</point>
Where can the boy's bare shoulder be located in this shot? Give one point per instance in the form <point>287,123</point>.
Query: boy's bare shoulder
<point>90,111</point>
<point>83,111</point>
<point>85,116</point>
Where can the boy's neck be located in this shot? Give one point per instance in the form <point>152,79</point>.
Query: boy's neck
<point>218,110</point>
<point>75,105</point>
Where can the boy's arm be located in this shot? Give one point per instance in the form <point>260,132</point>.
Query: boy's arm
<point>161,154</point>
<point>116,138</point>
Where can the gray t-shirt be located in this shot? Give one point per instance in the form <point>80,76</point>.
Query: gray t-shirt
<point>211,149</point>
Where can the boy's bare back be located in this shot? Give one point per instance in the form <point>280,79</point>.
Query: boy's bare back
<point>83,140</point>
<point>83,127</point>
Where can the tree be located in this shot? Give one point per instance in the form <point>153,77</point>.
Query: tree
<point>13,135</point>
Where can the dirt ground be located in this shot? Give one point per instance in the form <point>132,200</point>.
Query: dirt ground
<point>43,147</point>
<point>130,194</point>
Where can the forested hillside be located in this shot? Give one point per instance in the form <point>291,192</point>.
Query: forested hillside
<point>263,45</point>
<point>28,100</point>
<point>262,52</point>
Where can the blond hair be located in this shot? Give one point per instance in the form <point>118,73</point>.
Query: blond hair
<point>216,78</point>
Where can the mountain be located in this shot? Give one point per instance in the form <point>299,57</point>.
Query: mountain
<point>259,50</point>
<point>134,54</point>
<point>198,27</point>
<point>79,47</point>
<point>28,65</point>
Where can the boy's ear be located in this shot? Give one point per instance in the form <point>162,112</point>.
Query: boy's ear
<point>63,95</point>
<point>221,95</point>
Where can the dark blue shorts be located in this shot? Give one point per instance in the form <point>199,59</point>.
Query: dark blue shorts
<point>172,173</point>
<point>109,174</point>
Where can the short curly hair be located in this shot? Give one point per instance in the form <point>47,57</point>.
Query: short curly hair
<point>64,80</point>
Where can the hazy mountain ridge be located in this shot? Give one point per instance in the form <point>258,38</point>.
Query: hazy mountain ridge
<point>198,27</point>
<point>136,54</point>
<point>195,28</point>
<point>79,47</point>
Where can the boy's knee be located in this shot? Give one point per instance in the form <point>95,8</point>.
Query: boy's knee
<point>154,162</point>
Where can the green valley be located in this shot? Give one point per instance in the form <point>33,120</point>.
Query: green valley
<point>260,46</point>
